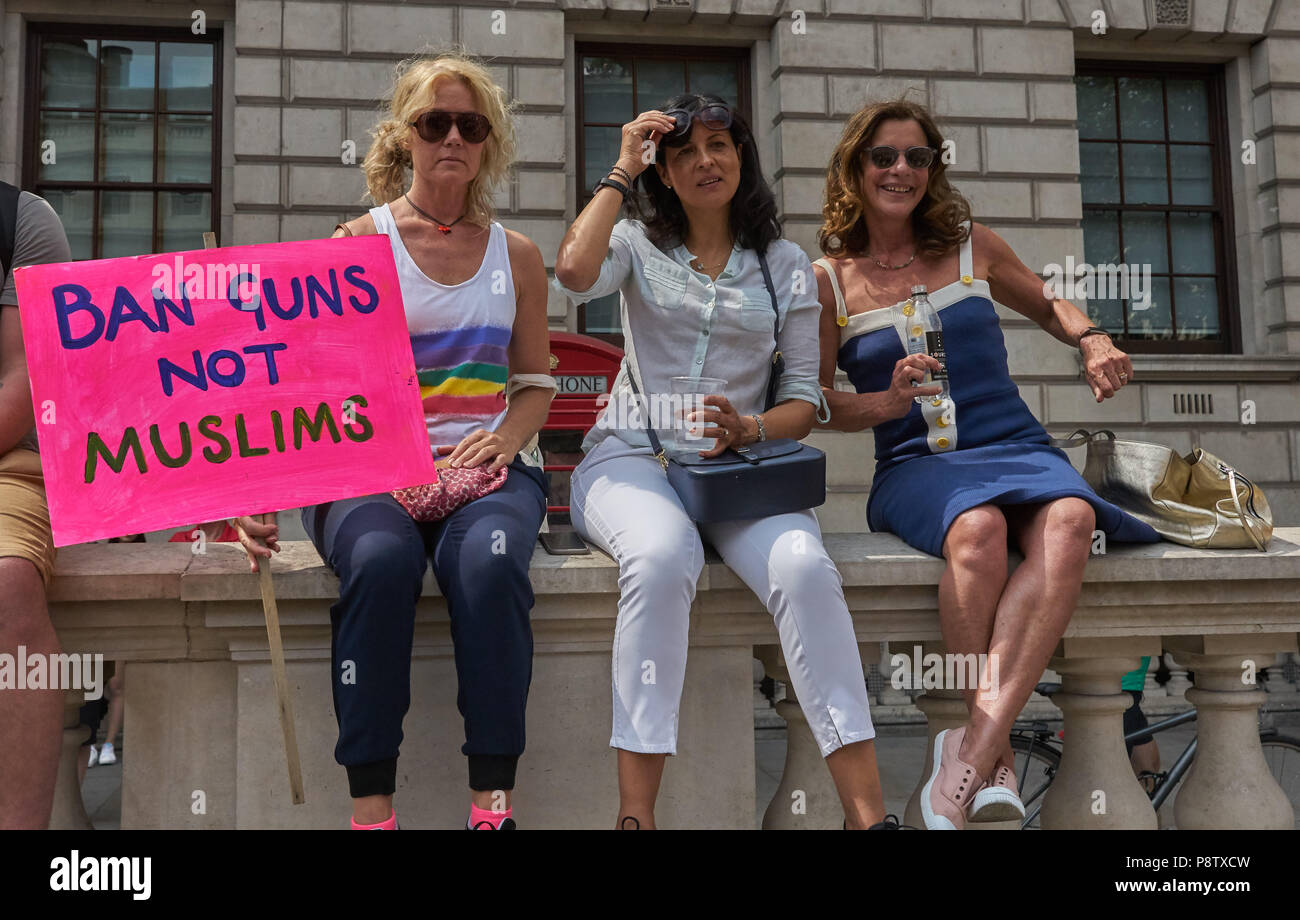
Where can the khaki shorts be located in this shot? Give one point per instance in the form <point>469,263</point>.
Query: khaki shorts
<point>24,516</point>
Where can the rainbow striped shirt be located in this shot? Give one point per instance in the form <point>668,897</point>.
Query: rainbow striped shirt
<point>462,374</point>
<point>460,337</point>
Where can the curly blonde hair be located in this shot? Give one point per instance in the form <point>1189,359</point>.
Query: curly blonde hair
<point>414,83</point>
<point>938,220</point>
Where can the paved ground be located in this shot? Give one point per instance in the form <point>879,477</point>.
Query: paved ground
<point>102,793</point>
<point>900,752</point>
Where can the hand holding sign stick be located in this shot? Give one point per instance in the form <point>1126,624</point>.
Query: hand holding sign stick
<point>272,614</point>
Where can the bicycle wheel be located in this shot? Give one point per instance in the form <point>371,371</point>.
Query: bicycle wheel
<point>1283,757</point>
<point>1036,766</point>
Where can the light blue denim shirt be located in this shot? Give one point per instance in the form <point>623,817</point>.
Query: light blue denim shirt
<point>680,323</point>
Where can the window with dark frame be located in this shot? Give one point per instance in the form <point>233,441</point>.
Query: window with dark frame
<point>123,135</point>
<point>616,82</point>
<point>1154,164</point>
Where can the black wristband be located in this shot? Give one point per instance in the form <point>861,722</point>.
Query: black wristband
<point>1091,330</point>
<point>607,182</point>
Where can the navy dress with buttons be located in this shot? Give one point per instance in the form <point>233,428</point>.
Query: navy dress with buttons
<point>982,446</point>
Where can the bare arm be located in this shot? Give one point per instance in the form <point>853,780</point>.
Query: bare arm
<point>16,417</point>
<point>577,265</point>
<point>1012,283</point>
<point>529,351</point>
<point>860,411</point>
<point>39,239</point>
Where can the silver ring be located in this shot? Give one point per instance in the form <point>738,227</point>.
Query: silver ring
<point>1123,376</point>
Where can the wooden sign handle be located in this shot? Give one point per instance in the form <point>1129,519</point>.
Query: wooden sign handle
<point>269,610</point>
<point>282,696</point>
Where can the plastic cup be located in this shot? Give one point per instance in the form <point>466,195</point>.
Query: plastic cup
<point>688,396</point>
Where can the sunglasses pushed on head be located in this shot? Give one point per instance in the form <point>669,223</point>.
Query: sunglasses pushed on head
<point>716,116</point>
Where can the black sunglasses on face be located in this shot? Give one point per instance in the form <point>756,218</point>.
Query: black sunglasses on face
<point>714,115</point>
<point>884,156</point>
<point>434,126</point>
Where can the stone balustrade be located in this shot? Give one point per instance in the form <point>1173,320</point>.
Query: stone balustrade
<point>205,747</point>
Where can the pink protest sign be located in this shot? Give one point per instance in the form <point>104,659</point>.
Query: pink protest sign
<point>195,386</point>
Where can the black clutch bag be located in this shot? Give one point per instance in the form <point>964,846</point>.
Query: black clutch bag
<point>763,479</point>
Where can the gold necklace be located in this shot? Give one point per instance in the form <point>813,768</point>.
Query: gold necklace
<point>706,269</point>
<point>892,268</point>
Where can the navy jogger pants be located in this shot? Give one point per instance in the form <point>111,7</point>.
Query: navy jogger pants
<point>480,559</point>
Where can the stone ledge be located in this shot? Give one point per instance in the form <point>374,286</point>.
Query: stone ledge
<point>101,572</point>
<point>192,628</point>
<point>1205,368</point>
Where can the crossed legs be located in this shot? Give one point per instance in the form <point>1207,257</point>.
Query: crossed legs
<point>1016,620</point>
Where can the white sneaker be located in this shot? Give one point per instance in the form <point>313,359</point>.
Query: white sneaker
<point>94,756</point>
<point>106,754</point>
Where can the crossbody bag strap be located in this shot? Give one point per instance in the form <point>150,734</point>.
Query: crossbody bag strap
<point>649,429</point>
<point>633,372</point>
<point>777,359</point>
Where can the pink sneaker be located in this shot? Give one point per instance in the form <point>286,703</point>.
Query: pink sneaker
<point>951,785</point>
<point>389,825</point>
<point>1000,799</point>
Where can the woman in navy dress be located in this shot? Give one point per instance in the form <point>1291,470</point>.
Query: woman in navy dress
<point>966,476</point>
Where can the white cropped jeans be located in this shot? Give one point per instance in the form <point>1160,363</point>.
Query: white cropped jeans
<point>622,502</point>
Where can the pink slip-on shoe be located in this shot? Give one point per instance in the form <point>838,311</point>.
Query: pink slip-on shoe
<point>951,785</point>
<point>999,800</point>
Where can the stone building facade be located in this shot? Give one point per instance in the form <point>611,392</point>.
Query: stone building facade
<point>296,81</point>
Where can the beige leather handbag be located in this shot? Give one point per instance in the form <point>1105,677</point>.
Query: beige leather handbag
<point>1197,500</point>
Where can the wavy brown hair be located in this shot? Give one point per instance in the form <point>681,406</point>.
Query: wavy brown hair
<point>937,220</point>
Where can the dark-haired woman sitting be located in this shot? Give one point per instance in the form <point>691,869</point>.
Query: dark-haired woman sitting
<point>695,303</point>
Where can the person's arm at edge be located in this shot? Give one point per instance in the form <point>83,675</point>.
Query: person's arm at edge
<point>43,241</point>
<point>16,413</point>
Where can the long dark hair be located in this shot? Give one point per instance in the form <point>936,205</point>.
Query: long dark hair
<point>754,224</point>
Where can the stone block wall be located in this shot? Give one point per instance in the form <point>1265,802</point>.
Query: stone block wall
<point>302,78</point>
<point>309,77</point>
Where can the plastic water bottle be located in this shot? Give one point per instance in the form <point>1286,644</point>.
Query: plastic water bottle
<point>925,336</point>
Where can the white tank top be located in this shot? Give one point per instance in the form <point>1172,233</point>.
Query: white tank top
<point>459,336</point>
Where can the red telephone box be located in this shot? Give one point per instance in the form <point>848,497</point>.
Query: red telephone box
<point>584,368</point>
